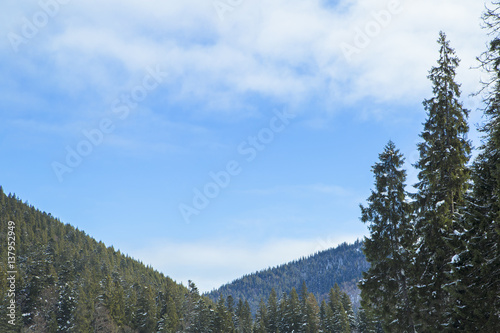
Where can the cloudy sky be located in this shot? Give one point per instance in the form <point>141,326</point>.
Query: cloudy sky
<point>212,139</point>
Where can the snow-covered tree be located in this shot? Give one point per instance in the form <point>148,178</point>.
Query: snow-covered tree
<point>477,265</point>
<point>443,181</point>
<point>385,286</point>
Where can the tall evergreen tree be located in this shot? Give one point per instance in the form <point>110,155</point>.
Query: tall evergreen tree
<point>327,322</point>
<point>443,180</point>
<point>309,310</point>
<point>203,317</point>
<point>223,321</point>
<point>293,315</point>
<point>261,318</point>
<point>312,323</point>
<point>366,322</point>
<point>244,317</point>
<point>340,318</point>
<point>385,284</point>
<point>477,266</point>
<point>347,305</point>
<point>273,312</point>
<point>145,320</point>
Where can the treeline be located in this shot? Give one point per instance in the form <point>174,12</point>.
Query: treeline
<point>297,312</point>
<point>435,254</point>
<point>68,282</point>
<point>342,265</point>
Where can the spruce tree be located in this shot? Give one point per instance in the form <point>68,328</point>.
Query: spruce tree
<point>261,318</point>
<point>443,180</point>
<point>347,304</point>
<point>223,321</point>
<point>244,317</point>
<point>477,265</point>
<point>145,319</point>
<point>385,285</point>
<point>293,315</point>
<point>311,314</point>
<point>273,312</point>
<point>340,318</point>
<point>326,318</point>
<point>366,322</point>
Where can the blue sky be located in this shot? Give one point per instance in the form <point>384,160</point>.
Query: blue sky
<point>115,116</point>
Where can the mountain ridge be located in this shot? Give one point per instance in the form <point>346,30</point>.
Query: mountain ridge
<point>343,265</point>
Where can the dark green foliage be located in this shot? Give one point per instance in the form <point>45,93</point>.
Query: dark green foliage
<point>452,264</point>
<point>244,315</point>
<point>443,182</point>
<point>223,321</point>
<point>477,263</point>
<point>261,318</point>
<point>385,284</point>
<point>273,312</point>
<point>292,314</point>
<point>366,321</point>
<point>68,282</point>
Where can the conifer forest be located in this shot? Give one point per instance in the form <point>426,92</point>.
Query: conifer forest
<point>431,261</point>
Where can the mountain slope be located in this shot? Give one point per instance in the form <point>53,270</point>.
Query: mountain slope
<point>68,282</point>
<point>343,265</point>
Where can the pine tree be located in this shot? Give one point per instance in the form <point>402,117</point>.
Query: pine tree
<point>273,312</point>
<point>312,323</point>
<point>385,284</point>
<point>83,312</point>
<point>261,318</point>
<point>223,321</point>
<point>303,301</point>
<point>283,324</point>
<point>231,309</point>
<point>202,318</point>
<point>189,307</point>
<point>67,299</point>
<point>145,320</point>
<point>114,300</point>
<point>339,318</point>
<point>366,322</point>
<point>293,314</point>
<point>477,265</point>
<point>326,318</point>
<point>346,303</point>
<point>443,181</point>
<point>244,317</point>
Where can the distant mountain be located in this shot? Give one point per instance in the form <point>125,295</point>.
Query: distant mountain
<point>343,265</point>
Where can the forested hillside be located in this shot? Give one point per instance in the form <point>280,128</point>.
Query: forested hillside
<point>61,280</point>
<point>342,265</point>
<point>68,282</point>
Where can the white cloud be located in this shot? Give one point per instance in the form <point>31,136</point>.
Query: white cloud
<point>287,50</point>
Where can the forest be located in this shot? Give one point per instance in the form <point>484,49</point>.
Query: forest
<point>434,254</point>
<point>68,282</point>
<point>342,265</point>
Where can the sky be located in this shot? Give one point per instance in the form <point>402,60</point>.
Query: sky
<point>212,139</point>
